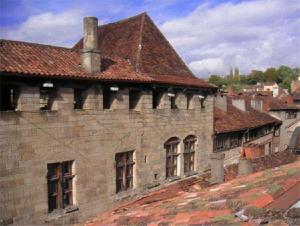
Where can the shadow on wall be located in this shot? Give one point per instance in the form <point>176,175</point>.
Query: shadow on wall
<point>295,141</point>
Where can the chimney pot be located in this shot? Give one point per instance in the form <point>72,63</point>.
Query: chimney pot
<point>90,27</point>
<point>90,56</point>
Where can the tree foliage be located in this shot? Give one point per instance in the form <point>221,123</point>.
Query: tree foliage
<point>283,75</point>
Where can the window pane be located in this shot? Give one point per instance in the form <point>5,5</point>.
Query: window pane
<point>124,170</point>
<point>52,203</point>
<point>52,170</point>
<point>53,182</point>
<point>52,187</point>
<point>66,168</point>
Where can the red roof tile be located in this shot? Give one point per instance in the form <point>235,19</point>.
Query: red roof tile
<point>51,61</point>
<point>238,120</point>
<point>139,40</point>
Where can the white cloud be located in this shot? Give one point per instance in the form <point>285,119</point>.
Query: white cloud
<point>250,35</point>
<point>208,65</point>
<point>62,29</point>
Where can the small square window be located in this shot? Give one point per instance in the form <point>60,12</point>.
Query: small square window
<point>190,101</point>
<point>47,96</point>
<point>78,99</point>
<point>8,97</point>
<point>173,102</point>
<point>134,97</point>
<point>108,98</point>
<point>157,99</point>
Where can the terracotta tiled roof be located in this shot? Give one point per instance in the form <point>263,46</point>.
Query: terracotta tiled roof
<point>296,94</point>
<point>238,120</point>
<point>139,40</point>
<point>51,61</point>
<point>271,103</point>
<point>132,50</point>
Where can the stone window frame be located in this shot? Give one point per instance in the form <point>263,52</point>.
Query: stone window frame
<point>61,187</point>
<point>124,163</point>
<point>189,154</point>
<point>172,153</point>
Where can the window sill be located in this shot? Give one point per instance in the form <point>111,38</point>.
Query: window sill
<point>58,213</point>
<point>153,185</point>
<point>8,111</point>
<point>48,111</point>
<point>125,194</point>
<point>173,178</point>
<point>191,173</point>
<point>135,111</point>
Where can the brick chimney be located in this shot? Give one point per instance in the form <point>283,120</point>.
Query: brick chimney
<point>221,102</point>
<point>257,104</point>
<point>239,103</point>
<point>90,57</point>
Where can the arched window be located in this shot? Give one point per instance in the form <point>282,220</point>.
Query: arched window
<point>189,153</point>
<point>172,153</point>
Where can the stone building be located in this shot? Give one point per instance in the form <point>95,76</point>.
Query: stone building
<point>288,114</point>
<point>82,128</point>
<point>294,144</point>
<point>241,129</point>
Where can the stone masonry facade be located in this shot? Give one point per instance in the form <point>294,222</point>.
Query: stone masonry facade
<point>30,139</point>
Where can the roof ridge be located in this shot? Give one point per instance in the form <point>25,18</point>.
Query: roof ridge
<point>140,42</point>
<point>124,20</point>
<point>33,44</point>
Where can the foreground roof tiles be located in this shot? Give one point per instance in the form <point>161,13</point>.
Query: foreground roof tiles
<point>216,205</point>
<point>132,50</point>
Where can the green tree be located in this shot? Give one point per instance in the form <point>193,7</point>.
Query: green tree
<point>255,76</point>
<point>217,80</point>
<point>270,74</point>
<point>284,73</point>
<point>236,74</point>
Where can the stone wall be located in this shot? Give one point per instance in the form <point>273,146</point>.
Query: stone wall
<point>233,155</point>
<point>285,132</point>
<point>30,139</point>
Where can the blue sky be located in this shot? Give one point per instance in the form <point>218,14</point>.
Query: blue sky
<point>211,36</point>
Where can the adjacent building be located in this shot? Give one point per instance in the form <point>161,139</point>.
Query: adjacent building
<point>267,87</point>
<point>115,116</point>
<point>241,129</point>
